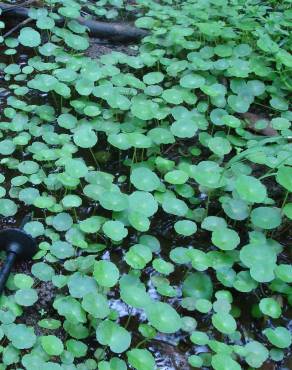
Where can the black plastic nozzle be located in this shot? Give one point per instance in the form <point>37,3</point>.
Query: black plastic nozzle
<point>18,246</point>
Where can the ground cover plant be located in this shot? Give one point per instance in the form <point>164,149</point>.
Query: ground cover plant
<point>159,185</point>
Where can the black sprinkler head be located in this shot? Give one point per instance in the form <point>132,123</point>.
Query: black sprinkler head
<point>18,246</point>
<point>19,242</point>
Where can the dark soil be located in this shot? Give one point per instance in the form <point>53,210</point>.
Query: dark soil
<point>100,47</point>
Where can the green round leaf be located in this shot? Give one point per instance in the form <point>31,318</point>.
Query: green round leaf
<point>29,37</point>
<point>284,273</point>
<point>62,222</point>
<point>71,201</point>
<point>7,207</point>
<point>23,281</point>
<point>256,354</point>
<point>176,177</point>
<point>185,227</point>
<point>163,317</point>
<point>62,249</point>
<point>76,168</point>
<point>222,361</point>
<point>113,335</point>
<point>270,307</point>
<point>96,304</point>
<point>20,335</point>
<point>52,345</point>
<point>114,200</point>
<point>34,228</point>
<point>266,217</point>
<point>28,167</point>
<point>138,256</point>
<point>192,81</point>
<point>153,78</point>
<point>144,179</point>
<point>224,322</point>
<point>284,177</point>
<point>85,137</point>
<point>143,202</point>
<point>198,285</point>
<point>115,230</point>
<point>250,189</point>
<point>219,146</point>
<point>26,297</point>
<point>225,239</point>
<point>175,206</point>
<point>280,337</point>
<point>42,271</point>
<point>106,273</point>
<point>141,359</point>
<point>195,361</point>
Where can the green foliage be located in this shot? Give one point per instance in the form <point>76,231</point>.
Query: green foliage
<point>52,345</point>
<point>159,182</point>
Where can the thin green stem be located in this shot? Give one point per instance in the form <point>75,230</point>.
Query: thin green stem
<point>129,318</point>
<point>134,157</point>
<point>75,214</point>
<point>267,175</point>
<point>141,342</point>
<point>284,200</point>
<point>94,159</point>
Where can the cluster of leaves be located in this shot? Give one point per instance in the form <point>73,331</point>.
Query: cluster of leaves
<point>177,117</point>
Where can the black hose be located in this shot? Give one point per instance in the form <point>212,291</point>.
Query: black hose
<point>113,31</point>
<point>5,270</point>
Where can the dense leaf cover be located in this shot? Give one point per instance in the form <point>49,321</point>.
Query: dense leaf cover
<point>194,130</point>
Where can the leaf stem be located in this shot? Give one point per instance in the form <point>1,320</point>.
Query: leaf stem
<point>285,200</point>
<point>141,342</point>
<point>94,159</point>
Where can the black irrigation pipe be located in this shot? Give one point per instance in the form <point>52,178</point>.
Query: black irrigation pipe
<point>18,246</point>
<point>112,31</point>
